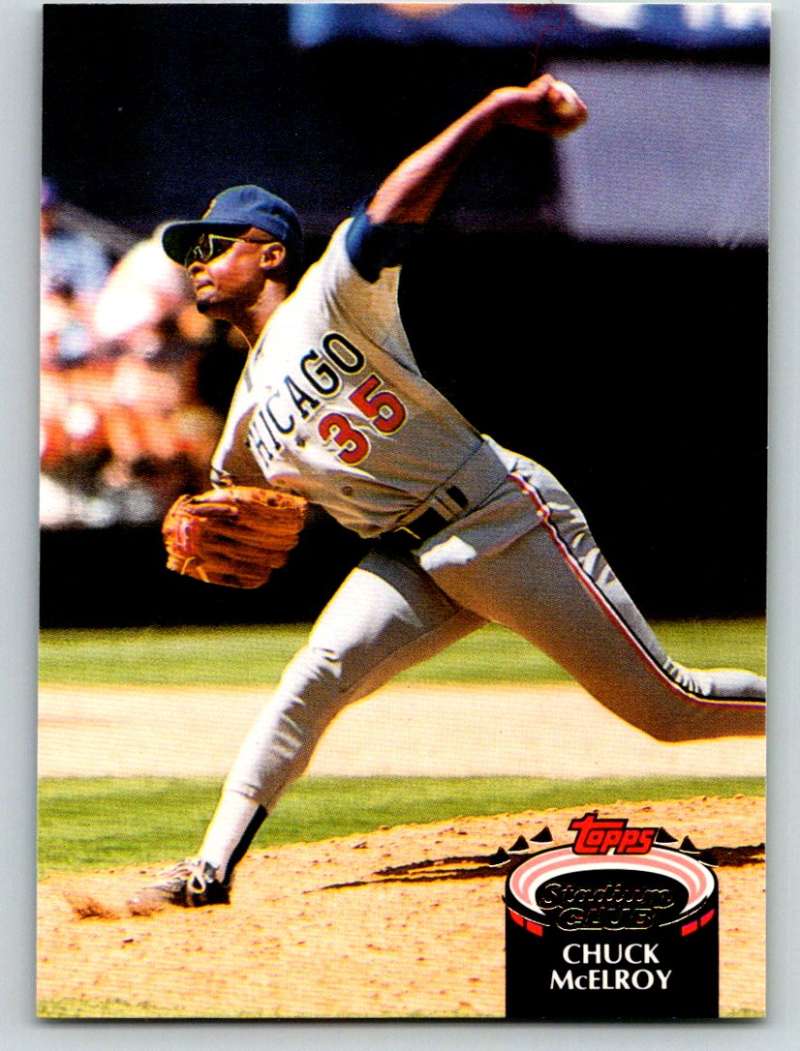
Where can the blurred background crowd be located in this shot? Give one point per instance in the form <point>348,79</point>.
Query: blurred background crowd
<point>123,427</point>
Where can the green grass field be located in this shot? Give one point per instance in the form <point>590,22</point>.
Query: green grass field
<point>257,655</point>
<point>87,824</point>
<point>99,823</point>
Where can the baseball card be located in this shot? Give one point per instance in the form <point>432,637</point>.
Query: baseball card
<point>403,472</point>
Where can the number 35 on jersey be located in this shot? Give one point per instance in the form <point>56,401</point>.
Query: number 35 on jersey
<point>345,429</point>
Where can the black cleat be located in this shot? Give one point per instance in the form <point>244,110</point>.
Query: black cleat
<point>189,884</point>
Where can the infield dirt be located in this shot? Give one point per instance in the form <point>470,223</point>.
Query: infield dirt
<point>555,730</point>
<point>289,946</point>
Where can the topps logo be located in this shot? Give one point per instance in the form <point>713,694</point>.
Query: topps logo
<point>600,835</point>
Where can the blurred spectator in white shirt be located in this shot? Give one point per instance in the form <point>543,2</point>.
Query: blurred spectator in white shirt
<point>74,267</point>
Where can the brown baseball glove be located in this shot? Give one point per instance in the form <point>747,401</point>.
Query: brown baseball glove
<point>234,536</point>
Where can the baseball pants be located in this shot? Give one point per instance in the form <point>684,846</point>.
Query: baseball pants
<point>524,559</point>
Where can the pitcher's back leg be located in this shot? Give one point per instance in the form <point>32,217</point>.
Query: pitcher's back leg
<point>554,587</point>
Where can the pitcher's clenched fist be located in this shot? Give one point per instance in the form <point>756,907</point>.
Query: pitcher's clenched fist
<point>546,105</point>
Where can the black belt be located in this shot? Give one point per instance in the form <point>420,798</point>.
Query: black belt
<point>426,525</point>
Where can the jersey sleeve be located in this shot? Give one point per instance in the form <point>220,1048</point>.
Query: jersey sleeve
<point>372,247</point>
<point>359,278</point>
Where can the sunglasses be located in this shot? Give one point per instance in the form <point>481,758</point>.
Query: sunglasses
<point>209,246</point>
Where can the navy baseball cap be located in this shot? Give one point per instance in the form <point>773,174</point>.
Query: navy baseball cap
<point>239,206</point>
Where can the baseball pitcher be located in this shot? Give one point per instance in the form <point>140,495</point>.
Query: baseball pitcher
<point>332,409</point>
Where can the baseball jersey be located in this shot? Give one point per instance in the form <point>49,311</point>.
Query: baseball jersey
<point>331,403</point>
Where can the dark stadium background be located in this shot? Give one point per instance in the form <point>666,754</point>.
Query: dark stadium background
<point>635,371</point>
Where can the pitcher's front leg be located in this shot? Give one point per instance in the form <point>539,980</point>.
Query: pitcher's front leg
<point>387,616</point>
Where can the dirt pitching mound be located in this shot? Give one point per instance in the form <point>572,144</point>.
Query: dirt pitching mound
<point>293,944</point>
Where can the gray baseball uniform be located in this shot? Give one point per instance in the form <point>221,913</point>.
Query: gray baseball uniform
<point>332,405</point>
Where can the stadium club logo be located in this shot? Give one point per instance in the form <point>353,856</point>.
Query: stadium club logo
<point>613,926</point>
